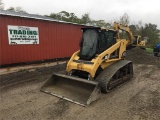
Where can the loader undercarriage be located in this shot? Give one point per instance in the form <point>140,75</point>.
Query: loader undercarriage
<point>115,75</point>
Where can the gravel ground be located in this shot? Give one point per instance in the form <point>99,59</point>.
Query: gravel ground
<point>138,99</point>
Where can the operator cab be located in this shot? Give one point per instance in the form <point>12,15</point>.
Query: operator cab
<point>137,40</point>
<point>95,41</point>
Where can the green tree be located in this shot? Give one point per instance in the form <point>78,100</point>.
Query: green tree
<point>124,19</point>
<point>11,9</point>
<point>151,31</point>
<point>1,5</point>
<point>20,9</point>
<point>86,19</point>
<point>133,28</point>
<point>17,9</point>
<point>72,17</point>
<point>65,16</point>
<point>101,23</point>
<point>55,16</point>
<point>137,28</point>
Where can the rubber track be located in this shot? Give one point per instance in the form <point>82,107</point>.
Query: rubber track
<point>108,73</point>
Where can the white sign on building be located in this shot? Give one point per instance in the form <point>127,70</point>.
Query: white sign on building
<point>23,35</point>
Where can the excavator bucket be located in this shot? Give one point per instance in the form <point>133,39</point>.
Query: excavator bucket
<point>77,90</point>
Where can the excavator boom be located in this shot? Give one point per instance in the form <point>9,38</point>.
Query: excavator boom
<point>133,40</point>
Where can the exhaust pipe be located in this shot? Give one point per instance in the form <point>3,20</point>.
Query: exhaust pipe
<point>73,89</point>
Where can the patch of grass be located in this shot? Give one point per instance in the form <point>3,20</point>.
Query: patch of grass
<point>149,50</point>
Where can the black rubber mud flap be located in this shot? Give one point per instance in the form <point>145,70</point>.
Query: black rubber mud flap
<point>77,90</point>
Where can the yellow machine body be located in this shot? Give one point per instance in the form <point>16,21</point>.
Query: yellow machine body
<point>102,59</point>
<point>105,70</point>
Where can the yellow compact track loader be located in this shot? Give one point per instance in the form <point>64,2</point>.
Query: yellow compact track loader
<point>98,66</point>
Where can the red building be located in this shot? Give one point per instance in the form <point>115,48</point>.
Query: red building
<point>27,38</point>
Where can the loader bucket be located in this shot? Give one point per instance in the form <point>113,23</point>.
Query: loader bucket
<point>77,90</point>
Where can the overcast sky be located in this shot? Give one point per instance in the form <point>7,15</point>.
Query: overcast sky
<point>148,11</point>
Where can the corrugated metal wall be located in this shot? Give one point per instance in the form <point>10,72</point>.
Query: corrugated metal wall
<point>56,40</point>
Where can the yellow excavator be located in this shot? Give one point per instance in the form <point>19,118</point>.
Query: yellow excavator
<point>138,42</point>
<point>136,39</point>
<point>98,66</point>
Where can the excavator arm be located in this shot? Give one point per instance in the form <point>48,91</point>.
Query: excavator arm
<point>125,28</point>
<point>132,41</point>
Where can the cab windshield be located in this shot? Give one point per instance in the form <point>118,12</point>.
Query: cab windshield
<point>89,42</point>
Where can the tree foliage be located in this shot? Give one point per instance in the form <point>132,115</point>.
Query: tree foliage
<point>151,31</point>
<point>124,19</point>
<point>101,23</point>
<point>1,5</point>
<point>16,9</point>
<point>85,19</point>
<point>11,9</point>
<point>65,16</point>
<point>147,30</point>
